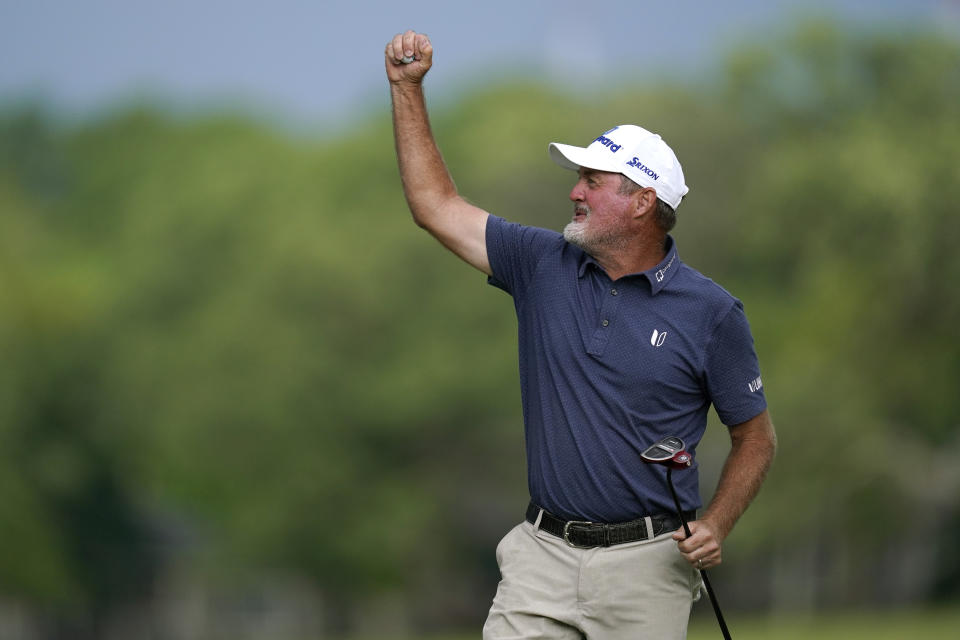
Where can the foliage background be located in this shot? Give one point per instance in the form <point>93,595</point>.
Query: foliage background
<point>243,395</point>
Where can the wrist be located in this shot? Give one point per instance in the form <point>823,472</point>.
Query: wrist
<point>406,85</point>
<point>716,524</point>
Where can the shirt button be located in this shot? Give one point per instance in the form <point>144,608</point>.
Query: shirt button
<point>605,323</point>
<point>613,292</point>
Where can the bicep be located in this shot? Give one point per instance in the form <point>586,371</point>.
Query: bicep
<point>461,227</point>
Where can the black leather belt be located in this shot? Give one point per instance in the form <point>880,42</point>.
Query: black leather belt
<point>584,535</point>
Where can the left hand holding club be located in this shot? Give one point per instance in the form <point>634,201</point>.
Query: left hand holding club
<point>703,548</point>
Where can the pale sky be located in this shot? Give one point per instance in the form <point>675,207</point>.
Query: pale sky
<point>317,61</point>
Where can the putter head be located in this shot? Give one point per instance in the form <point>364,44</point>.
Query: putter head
<point>668,452</point>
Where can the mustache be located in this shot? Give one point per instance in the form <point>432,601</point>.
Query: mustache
<point>581,209</point>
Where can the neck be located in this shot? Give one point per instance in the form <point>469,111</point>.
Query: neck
<point>641,255</point>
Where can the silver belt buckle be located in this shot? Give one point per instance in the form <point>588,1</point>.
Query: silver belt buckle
<point>566,533</point>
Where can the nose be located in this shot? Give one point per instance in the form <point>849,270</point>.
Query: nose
<point>576,194</point>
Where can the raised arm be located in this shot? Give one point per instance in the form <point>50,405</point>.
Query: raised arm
<point>431,194</point>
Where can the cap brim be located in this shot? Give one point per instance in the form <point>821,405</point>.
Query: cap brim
<point>571,157</point>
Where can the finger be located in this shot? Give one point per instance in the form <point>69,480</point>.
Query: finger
<point>409,42</point>
<point>398,61</point>
<point>707,560</point>
<point>698,559</point>
<point>397,47</point>
<point>691,544</point>
<point>699,540</point>
<point>699,532</point>
<point>707,554</point>
<point>424,49</point>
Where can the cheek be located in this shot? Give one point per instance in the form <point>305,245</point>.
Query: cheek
<point>604,207</point>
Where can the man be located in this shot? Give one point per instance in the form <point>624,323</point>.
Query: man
<point>620,345</point>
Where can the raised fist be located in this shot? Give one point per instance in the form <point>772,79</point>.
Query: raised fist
<point>408,57</point>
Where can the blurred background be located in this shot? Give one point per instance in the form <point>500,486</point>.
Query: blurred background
<point>243,396</point>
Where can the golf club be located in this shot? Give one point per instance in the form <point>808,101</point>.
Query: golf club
<point>669,452</point>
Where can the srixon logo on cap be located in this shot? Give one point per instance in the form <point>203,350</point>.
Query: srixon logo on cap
<point>647,170</point>
<point>608,143</point>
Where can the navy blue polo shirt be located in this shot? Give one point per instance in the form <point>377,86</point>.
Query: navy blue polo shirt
<point>608,368</point>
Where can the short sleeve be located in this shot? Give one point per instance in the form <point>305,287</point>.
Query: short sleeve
<point>514,251</point>
<point>732,370</point>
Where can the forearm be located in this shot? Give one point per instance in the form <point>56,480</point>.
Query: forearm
<point>433,199</point>
<point>753,446</point>
<point>427,184</point>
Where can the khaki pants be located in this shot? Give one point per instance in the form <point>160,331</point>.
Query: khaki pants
<point>550,590</point>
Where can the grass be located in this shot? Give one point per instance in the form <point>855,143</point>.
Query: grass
<point>875,625</point>
<point>869,625</point>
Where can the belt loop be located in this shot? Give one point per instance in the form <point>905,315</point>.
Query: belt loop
<point>536,524</point>
<point>648,522</point>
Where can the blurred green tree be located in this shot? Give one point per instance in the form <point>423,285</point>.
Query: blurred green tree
<point>208,319</point>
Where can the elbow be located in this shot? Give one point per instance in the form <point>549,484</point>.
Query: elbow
<point>767,447</point>
<point>771,440</point>
<point>429,208</point>
<point>418,220</point>
<point>420,211</point>
<point>756,436</point>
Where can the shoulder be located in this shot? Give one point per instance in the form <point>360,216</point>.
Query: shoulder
<point>691,282</point>
<point>502,230</point>
<point>505,239</point>
<point>518,253</point>
<point>703,303</point>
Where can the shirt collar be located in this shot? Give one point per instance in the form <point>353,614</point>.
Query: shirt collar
<point>658,276</point>
<point>585,261</point>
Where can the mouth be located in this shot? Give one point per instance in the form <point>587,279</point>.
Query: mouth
<point>580,214</point>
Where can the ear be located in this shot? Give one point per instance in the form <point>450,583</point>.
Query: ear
<point>645,202</point>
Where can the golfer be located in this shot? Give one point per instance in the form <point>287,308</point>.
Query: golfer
<point>620,344</point>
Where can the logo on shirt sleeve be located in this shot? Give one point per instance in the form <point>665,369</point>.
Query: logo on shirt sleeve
<point>755,385</point>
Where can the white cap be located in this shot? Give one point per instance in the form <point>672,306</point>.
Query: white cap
<point>633,151</point>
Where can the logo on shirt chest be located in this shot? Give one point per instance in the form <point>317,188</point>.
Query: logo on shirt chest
<point>658,338</point>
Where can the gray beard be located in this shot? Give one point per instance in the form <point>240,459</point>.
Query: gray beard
<point>576,233</point>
